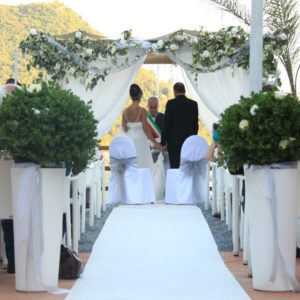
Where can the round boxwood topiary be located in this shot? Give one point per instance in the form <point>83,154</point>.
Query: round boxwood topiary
<point>47,124</point>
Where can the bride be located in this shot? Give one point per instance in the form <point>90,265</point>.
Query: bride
<point>134,124</point>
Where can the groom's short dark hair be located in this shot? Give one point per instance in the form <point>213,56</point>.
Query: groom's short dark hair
<point>179,88</point>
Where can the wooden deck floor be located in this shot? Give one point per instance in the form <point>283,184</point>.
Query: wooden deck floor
<point>7,291</point>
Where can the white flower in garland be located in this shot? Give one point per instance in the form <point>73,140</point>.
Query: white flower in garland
<point>89,51</point>
<point>205,54</point>
<point>174,47</point>
<point>279,95</point>
<point>154,46</point>
<point>179,38</point>
<point>78,35</point>
<point>283,144</point>
<point>160,43</point>
<point>123,42</point>
<point>283,36</point>
<point>34,88</point>
<point>221,51</point>
<point>253,110</point>
<point>211,37</point>
<point>36,111</point>
<point>33,31</point>
<point>194,40</point>
<point>113,49</point>
<point>292,139</point>
<point>244,124</point>
<point>270,34</point>
<point>234,31</point>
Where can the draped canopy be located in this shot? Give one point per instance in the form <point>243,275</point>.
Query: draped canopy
<point>216,74</point>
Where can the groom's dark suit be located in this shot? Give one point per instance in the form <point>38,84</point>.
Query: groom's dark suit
<point>181,121</point>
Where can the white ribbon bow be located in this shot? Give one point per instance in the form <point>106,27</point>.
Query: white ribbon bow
<point>196,186</point>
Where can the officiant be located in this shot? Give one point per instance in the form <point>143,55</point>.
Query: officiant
<point>155,122</point>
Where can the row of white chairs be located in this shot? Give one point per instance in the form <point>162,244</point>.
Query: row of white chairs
<point>93,179</point>
<point>224,195</point>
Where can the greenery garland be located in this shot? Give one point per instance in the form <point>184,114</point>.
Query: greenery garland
<point>75,54</point>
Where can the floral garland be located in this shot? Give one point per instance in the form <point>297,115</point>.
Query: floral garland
<point>75,55</point>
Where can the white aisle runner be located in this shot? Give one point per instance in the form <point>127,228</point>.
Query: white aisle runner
<point>156,252</point>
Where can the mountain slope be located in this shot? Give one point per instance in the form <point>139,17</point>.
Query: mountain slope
<point>16,22</point>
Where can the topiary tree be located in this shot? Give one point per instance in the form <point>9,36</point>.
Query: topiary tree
<point>48,125</point>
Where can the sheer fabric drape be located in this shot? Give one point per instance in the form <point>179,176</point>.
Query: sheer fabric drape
<point>109,96</point>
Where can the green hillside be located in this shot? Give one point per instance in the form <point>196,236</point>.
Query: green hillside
<point>16,22</point>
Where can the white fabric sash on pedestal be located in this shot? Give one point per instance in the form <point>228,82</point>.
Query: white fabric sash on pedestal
<point>28,221</point>
<point>270,193</point>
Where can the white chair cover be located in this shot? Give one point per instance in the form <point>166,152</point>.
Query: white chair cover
<point>187,185</point>
<point>127,183</point>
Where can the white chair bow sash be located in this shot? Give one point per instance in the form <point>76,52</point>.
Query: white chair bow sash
<point>192,180</point>
<point>123,172</point>
<point>120,165</point>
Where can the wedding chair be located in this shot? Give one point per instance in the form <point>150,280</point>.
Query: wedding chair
<point>82,199</point>
<point>90,174</point>
<point>2,248</point>
<point>298,223</point>
<point>228,178</point>
<point>75,201</point>
<point>220,192</point>
<point>214,166</point>
<point>127,183</point>
<point>207,203</point>
<point>235,216</point>
<point>98,187</point>
<point>103,185</point>
<point>187,185</point>
<point>67,211</point>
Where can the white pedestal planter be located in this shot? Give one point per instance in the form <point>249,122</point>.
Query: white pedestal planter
<point>37,253</point>
<point>5,189</point>
<point>272,234</point>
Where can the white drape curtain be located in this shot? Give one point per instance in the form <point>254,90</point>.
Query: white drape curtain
<point>220,89</point>
<point>205,114</point>
<point>109,96</point>
<point>217,90</point>
<point>214,92</point>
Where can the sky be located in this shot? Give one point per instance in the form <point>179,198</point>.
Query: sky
<point>146,19</point>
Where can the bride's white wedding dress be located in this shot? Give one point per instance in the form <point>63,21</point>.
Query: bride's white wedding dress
<point>136,133</point>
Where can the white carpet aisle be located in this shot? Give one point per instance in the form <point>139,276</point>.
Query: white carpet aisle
<point>156,252</point>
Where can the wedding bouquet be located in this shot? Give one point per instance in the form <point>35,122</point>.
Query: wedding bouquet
<point>261,129</point>
<point>46,124</point>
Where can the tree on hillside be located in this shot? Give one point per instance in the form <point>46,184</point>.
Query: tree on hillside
<point>282,16</point>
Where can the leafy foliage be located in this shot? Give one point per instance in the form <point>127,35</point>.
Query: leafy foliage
<point>208,49</point>
<point>234,7</point>
<point>49,125</point>
<point>261,129</point>
<point>280,16</point>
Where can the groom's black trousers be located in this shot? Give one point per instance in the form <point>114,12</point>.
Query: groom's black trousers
<point>174,155</point>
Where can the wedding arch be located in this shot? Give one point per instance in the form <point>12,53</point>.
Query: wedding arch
<point>100,69</point>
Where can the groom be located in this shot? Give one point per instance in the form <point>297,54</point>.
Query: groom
<point>181,121</point>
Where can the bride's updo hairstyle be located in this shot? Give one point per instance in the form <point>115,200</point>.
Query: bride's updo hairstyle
<point>135,92</point>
